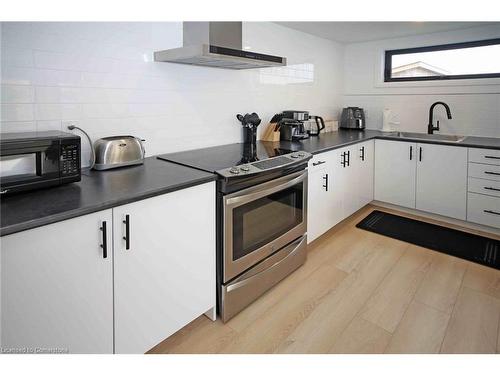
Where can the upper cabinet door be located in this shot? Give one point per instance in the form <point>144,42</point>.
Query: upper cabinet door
<point>395,171</point>
<point>442,180</point>
<point>57,286</point>
<point>165,277</point>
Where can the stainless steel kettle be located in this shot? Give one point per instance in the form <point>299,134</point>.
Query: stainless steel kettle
<point>118,151</point>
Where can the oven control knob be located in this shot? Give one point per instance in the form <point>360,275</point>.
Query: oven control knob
<point>301,154</point>
<point>245,168</point>
<point>294,156</point>
<point>234,170</point>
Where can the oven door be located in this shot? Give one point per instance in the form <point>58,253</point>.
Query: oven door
<point>262,219</point>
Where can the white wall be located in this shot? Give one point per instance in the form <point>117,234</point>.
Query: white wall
<point>102,75</point>
<point>475,104</point>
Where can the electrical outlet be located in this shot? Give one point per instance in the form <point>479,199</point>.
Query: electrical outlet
<point>69,123</point>
<point>366,113</point>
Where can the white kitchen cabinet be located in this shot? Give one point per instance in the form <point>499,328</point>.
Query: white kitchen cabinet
<point>340,183</point>
<point>338,186</point>
<point>347,173</point>
<point>166,278</point>
<point>395,172</point>
<point>441,186</point>
<point>352,183</point>
<point>484,156</point>
<point>483,209</point>
<point>57,286</point>
<point>483,198</point>
<point>320,210</point>
<point>363,164</point>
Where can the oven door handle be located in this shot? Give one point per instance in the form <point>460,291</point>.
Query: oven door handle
<point>257,271</point>
<point>241,199</point>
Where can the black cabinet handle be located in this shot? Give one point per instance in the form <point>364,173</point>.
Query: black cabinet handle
<point>104,244</point>
<point>492,212</point>
<point>343,159</point>
<point>411,152</point>
<point>319,163</point>
<point>348,158</point>
<point>363,153</point>
<point>494,173</point>
<point>492,157</point>
<point>491,188</point>
<point>127,232</point>
<point>420,154</point>
<point>325,177</point>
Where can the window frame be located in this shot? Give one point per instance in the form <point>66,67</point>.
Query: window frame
<point>441,47</point>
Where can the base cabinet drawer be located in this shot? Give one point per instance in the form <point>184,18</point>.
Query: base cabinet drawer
<point>488,172</point>
<point>480,186</point>
<point>483,209</point>
<point>484,155</point>
<point>320,161</point>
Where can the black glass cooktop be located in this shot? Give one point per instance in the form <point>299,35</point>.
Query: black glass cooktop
<point>213,159</point>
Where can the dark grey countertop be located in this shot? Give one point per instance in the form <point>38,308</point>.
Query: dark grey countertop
<point>331,141</point>
<point>96,191</point>
<point>101,190</point>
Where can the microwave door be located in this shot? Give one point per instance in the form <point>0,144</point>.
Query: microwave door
<point>18,165</point>
<point>30,166</point>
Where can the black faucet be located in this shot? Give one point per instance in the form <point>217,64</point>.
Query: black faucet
<point>430,127</point>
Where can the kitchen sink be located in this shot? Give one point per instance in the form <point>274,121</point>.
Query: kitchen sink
<point>437,137</point>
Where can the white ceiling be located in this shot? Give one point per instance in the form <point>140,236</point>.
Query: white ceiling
<point>351,32</point>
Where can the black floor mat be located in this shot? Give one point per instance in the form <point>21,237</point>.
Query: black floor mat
<point>460,244</point>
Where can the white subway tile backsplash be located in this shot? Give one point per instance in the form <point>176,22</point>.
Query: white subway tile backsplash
<point>17,94</point>
<point>44,111</point>
<point>17,57</point>
<point>17,76</point>
<point>47,77</point>
<point>102,75</point>
<point>17,126</point>
<point>110,80</point>
<point>49,125</point>
<point>473,114</point>
<point>17,112</point>
<point>58,94</point>
<point>105,110</point>
<point>72,61</point>
<point>17,35</point>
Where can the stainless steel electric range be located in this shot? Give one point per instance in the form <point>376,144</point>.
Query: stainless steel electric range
<point>261,216</point>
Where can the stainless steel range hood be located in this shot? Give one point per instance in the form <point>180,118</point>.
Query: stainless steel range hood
<point>217,45</point>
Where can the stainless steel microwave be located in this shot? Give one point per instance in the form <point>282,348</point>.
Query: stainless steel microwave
<point>34,160</point>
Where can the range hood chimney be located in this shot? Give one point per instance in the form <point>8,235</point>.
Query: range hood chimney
<point>217,45</point>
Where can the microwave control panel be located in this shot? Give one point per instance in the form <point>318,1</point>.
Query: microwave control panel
<point>70,160</point>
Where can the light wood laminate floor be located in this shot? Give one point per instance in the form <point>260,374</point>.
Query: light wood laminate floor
<point>360,292</point>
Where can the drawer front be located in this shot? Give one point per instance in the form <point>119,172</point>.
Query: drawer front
<point>483,209</point>
<point>320,161</point>
<point>480,186</point>
<point>484,155</point>
<point>488,172</point>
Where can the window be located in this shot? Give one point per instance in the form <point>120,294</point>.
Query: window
<point>480,59</point>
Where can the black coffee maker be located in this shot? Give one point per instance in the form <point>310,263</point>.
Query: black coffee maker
<point>292,130</point>
<point>291,125</point>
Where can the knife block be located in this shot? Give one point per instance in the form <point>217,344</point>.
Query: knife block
<point>270,134</point>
